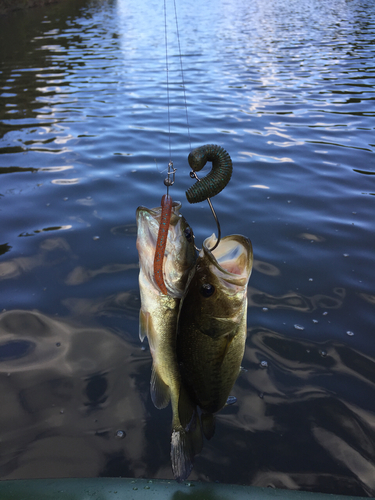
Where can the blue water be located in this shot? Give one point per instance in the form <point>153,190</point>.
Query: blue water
<point>288,89</point>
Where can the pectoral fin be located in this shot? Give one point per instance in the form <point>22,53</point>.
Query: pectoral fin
<point>144,324</point>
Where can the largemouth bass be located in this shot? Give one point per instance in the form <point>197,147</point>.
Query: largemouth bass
<point>211,331</point>
<point>158,321</point>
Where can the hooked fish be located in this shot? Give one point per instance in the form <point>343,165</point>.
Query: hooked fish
<point>212,318</point>
<point>158,321</point>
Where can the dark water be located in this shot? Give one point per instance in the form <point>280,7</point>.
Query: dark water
<point>288,89</point>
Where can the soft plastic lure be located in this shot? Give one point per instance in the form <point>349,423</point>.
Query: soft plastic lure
<point>216,180</point>
<point>166,210</point>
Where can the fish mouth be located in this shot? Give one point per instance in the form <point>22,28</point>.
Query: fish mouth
<point>148,220</point>
<point>179,251</point>
<point>232,259</point>
<point>144,213</point>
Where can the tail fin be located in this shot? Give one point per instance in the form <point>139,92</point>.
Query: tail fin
<point>182,455</point>
<point>185,444</point>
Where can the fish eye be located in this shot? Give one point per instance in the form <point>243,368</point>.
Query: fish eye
<point>189,234</point>
<point>207,290</point>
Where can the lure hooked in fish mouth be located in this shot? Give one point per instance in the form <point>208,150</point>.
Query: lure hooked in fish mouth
<point>179,252</point>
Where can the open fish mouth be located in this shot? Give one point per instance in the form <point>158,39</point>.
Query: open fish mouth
<point>232,260</point>
<point>179,253</point>
<point>148,220</point>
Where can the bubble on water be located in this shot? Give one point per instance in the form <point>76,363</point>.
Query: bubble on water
<point>120,434</point>
<point>299,327</point>
<point>96,238</point>
<point>265,309</point>
<point>61,411</point>
<point>66,198</point>
<point>58,344</point>
<point>323,353</point>
<point>315,321</point>
<point>325,313</point>
<point>350,333</point>
<point>261,395</point>
<point>311,279</point>
<point>231,400</point>
<point>263,364</point>
<point>346,255</point>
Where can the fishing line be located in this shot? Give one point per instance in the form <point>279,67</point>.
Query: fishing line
<point>182,72</point>
<point>167,76</point>
<point>216,180</point>
<point>166,201</point>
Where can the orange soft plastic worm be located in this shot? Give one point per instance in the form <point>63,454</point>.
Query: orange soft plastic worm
<point>166,210</point>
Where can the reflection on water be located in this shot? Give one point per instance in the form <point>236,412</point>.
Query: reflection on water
<point>295,301</point>
<point>66,386</point>
<point>287,88</point>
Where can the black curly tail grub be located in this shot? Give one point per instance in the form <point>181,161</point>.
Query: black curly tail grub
<point>217,179</point>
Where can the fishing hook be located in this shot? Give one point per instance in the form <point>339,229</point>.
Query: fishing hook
<point>193,175</point>
<point>212,183</point>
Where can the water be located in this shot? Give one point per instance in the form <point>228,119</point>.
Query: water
<point>287,88</point>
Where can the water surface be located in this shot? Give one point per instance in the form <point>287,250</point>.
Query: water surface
<point>288,89</point>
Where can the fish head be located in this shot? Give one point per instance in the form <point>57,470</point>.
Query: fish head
<point>180,254</point>
<point>216,293</point>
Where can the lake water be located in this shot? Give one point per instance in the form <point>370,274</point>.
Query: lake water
<point>288,89</point>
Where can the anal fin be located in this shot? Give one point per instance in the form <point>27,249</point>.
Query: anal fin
<point>160,393</point>
<point>186,408</point>
<point>208,425</point>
